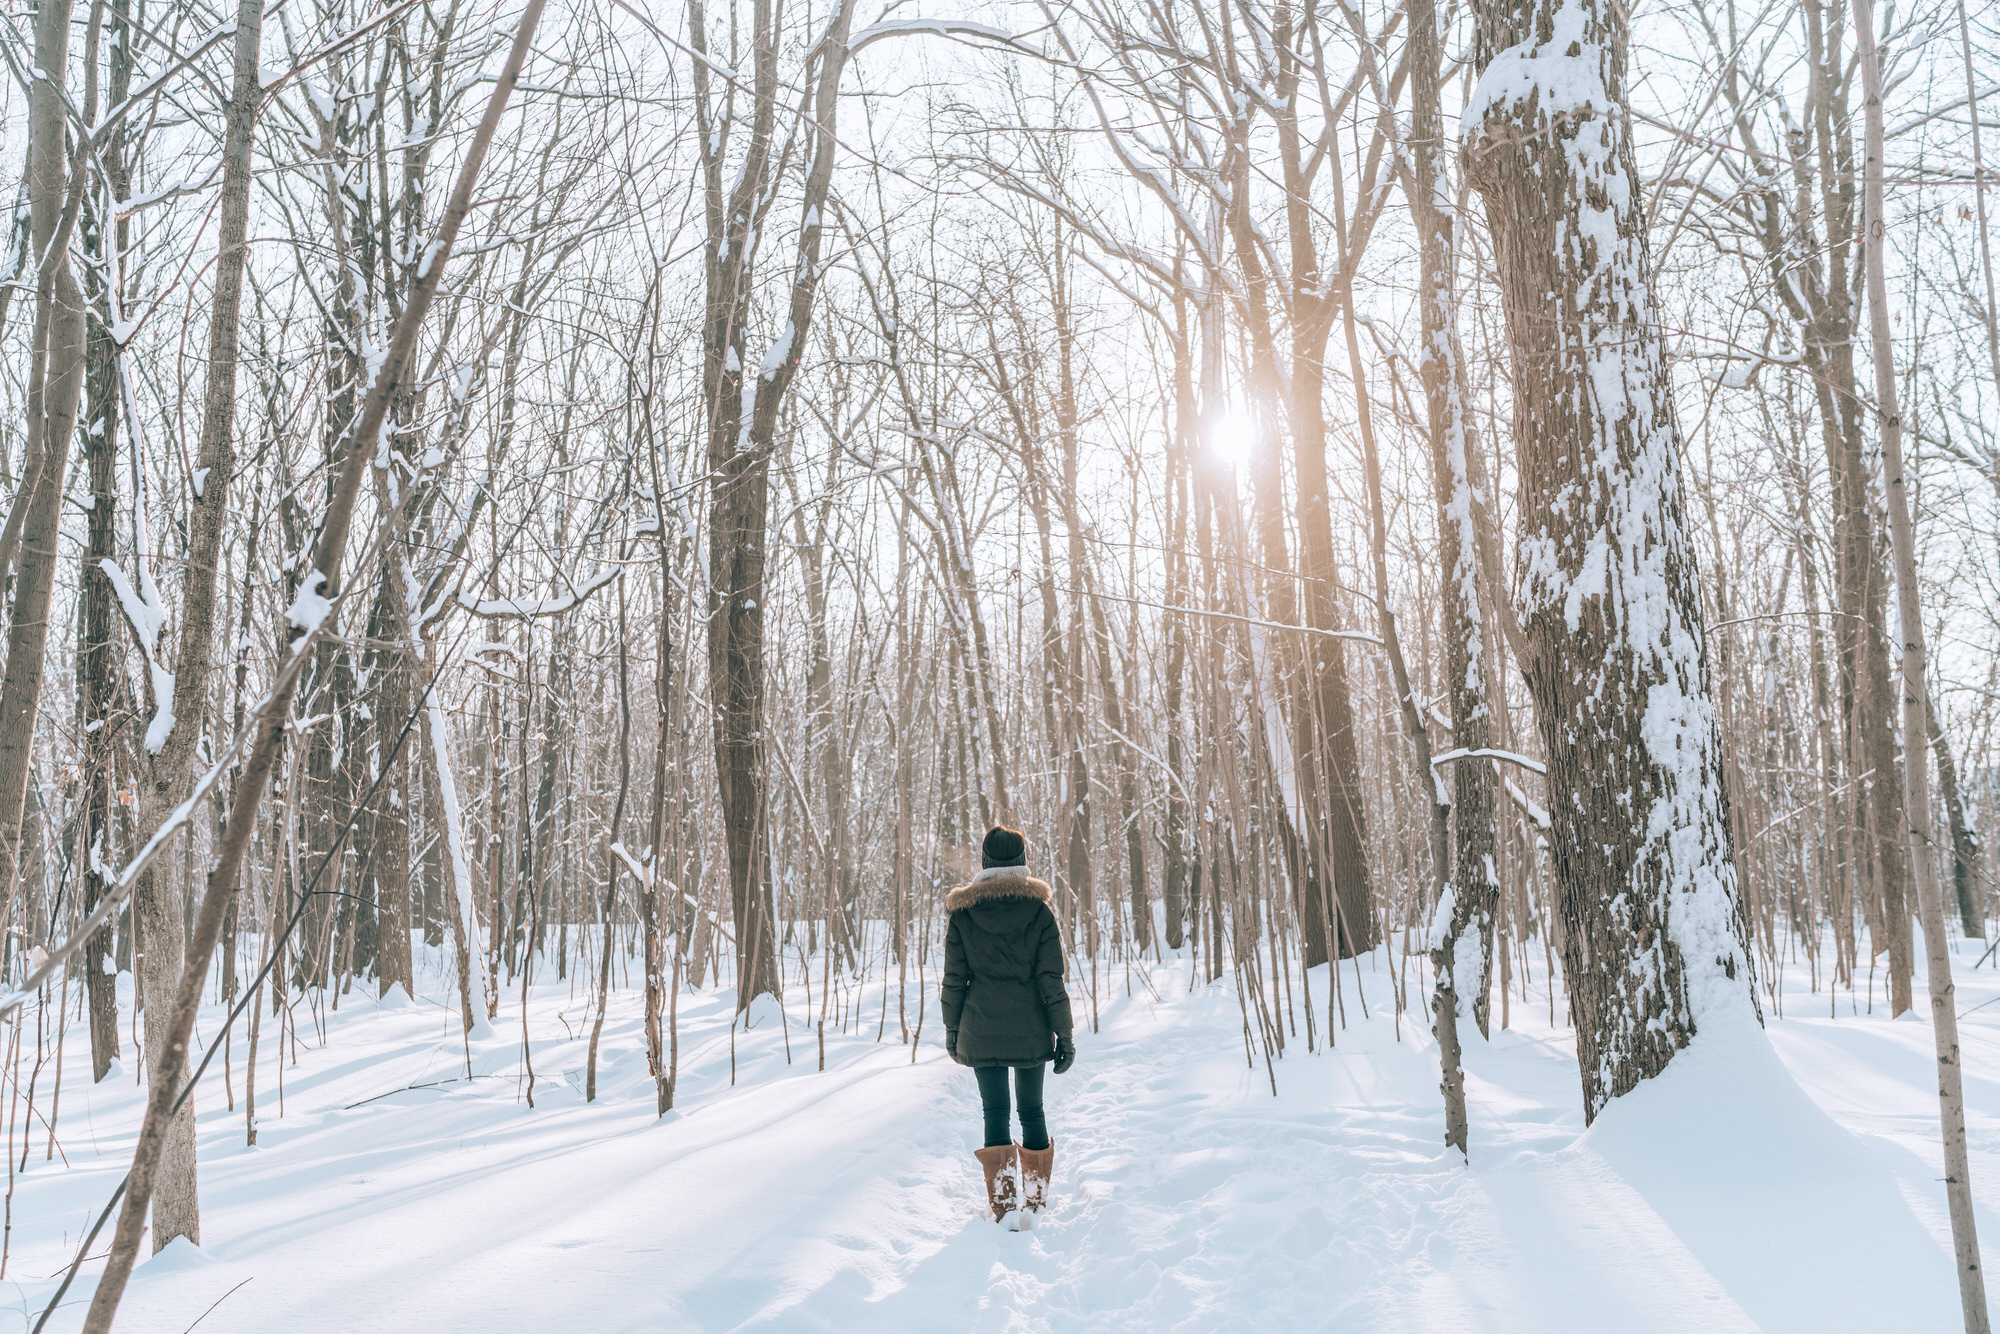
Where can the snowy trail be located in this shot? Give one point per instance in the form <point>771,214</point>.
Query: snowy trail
<point>1187,1197</point>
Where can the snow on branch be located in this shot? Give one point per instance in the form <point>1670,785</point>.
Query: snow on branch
<point>875,32</point>
<point>641,871</point>
<point>311,607</point>
<point>545,607</point>
<point>1488,753</point>
<point>1529,806</point>
<point>125,208</point>
<point>147,617</point>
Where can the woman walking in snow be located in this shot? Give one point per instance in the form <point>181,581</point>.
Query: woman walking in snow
<point>1005,1008</point>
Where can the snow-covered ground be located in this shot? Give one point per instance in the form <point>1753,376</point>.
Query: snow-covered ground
<point>1735,1193</point>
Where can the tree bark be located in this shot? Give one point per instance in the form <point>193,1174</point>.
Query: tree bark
<point>611,841</point>
<point>1654,939</point>
<point>1176,850</point>
<point>97,654</point>
<point>390,836</point>
<point>1964,843</point>
<point>1337,879</point>
<point>158,905</point>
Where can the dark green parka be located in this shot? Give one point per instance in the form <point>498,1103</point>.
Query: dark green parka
<point>1003,970</point>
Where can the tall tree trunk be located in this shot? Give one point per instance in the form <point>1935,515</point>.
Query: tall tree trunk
<point>157,898</point>
<point>1128,775</point>
<point>97,654</point>
<point>55,386</point>
<point>1860,581</point>
<point>389,852</point>
<point>1176,850</point>
<point>1074,821</point>
<point>742,408</point>
<point>611,843</point>
<point>1916,696</point>
<point>1654,940</point>
<point>1333,798</point>
<point>541,833</point>
<point>739,499</point>
<point>1462,926</point>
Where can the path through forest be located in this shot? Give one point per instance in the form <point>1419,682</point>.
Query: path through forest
<point>1188,1197</point>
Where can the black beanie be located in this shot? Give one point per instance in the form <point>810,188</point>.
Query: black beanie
<point>1003,847</point>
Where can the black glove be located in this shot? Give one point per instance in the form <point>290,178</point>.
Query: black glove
<point>951,1046</point>
<point>1065,1052</point>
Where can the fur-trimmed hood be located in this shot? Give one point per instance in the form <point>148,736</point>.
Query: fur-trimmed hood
<point>998,882</point>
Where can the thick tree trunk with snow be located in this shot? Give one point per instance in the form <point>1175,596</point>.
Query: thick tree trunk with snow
<point>1654,941</point>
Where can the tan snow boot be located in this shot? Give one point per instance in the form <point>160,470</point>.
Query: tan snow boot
<point>1037,1165</point>
<point>997,1161</point>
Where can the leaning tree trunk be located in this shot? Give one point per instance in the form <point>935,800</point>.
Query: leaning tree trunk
<point>1654,942</point>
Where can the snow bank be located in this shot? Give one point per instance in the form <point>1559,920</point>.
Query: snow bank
<point>1781,1205</point>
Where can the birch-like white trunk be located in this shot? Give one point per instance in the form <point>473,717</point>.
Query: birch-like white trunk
<point>1916,694</point>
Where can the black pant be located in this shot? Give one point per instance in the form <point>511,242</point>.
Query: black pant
<point>1027,1092</point>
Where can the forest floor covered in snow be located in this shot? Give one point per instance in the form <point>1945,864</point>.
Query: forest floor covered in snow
<point>1736,1192</point>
